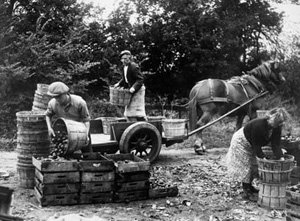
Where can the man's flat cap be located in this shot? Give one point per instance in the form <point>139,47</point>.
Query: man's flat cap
<point>57,88</point>
<point>124,52</point>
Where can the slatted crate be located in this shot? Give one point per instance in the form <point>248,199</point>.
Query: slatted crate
<point>128,163</point>
<point>132,186</point>
<point>57,182</point>
<point>56,199</point>
<point>132,177</point>
<point>129,196</point>
<point>92,198</point>
<point>56,188</point>
<point>162,192</point>
<point>97,176</point>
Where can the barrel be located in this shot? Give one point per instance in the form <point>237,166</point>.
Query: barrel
<point>32,138</point>
<point>272,196</point>
<point>119,96</point>
<point>41,98</point>
<point>275,171</point>
<point>293,203</point>
<point>76,134</point>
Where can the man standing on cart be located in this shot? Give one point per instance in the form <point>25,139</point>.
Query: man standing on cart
<point>132,78</point>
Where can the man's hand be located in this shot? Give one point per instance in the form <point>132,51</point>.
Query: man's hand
<point>51,132</point>
<point>87,140</point>
<point>116,85</point>
<point>131,90</point>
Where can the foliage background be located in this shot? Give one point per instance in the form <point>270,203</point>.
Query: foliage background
<point>176,43</point>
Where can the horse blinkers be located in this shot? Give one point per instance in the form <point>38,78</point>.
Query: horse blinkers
<point>277,70</point>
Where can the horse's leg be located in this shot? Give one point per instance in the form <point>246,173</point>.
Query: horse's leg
<point>205,118</point>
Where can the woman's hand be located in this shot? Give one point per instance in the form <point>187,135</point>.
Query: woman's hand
<point>281,158</point>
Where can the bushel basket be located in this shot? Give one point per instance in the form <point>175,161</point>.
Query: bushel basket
<point>174,127</point>
<point>275,171</point>
<point>119,96</point>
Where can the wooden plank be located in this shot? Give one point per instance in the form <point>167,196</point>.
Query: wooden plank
<point>56,199</point>
<point>92,198</point>
<point>161,192</point>
<point>102,139</point>
<point>95,162</point>
<point>131,196</point>
<point>132,186</point>
<point>58,177</point>
<point>126,163</point>
<point>97,187</point>
<point>61,188</point>
<point>44,164</point>
<point>97,176</point>
<point>131,177</point>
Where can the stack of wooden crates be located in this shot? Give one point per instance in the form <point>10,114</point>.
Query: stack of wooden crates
<point>91,178</point>
<point>132,177</point>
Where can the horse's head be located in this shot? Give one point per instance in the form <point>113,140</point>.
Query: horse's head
<point>276,72</point>
<point>269,74</point>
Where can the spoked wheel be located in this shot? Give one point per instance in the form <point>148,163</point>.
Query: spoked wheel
<point>142,139</point>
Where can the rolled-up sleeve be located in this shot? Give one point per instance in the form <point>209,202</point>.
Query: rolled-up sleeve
<point>84,112</point>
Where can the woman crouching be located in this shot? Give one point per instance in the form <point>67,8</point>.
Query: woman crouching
<point>246,144</point>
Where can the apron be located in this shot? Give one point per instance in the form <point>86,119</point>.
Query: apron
<point>240,159</point>
<point>136,107</point>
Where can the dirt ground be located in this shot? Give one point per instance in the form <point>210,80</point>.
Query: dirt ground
<point>205,194</point>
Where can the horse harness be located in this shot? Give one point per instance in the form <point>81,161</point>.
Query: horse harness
<point>238,80</point>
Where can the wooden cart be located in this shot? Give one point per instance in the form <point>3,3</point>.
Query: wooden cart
<point>143,138</point>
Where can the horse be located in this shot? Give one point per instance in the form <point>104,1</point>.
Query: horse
<point>212,97</point>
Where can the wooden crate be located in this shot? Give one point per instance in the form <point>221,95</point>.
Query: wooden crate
<point>132,186</point>
<point>162,192</point>
<point>94,162</point>
<point>295,175</point>
<point>58,177</point>
<point>56,199</point>
<point>127,163</point>
<point>292,195</point>
<point>100,197</point>
<point>56,188</point>
<point>131,177</point>
<point>97,176</point>
<point>97,187</point>
<point>44,164</point>
<point>130,196</point>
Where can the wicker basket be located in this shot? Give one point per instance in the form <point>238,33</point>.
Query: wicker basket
<point>119,96</point>
<point>174,127</point>
<point>155,118</point>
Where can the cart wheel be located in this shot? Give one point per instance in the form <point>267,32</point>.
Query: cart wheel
<point>142,139</point>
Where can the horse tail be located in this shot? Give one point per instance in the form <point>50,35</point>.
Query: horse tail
<point>192,107</point>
